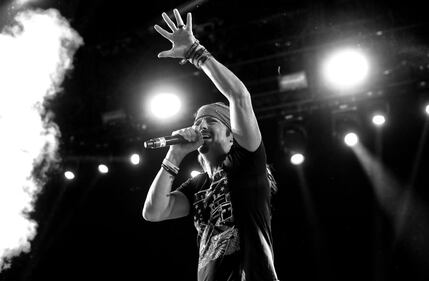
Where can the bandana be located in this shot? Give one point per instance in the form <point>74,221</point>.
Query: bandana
<point>217,110</point>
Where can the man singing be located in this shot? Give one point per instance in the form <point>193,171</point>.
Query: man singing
<point>230,202</point>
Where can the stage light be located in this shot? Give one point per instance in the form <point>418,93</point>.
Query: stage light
<point>69,175</point>
<point>378,119</point>
<point>378,111</point>
<point>351,139</point>
<point>293,81</point>
<point>103,169</point>
<point>114,117</point>
<point>135,159</point>
<point>347,124</point>
<point>293,138</point>
<point>345,69</point>
<point>297,159</point>
<point>427,109</point>
<point>195,173</point>
<point>165,105</point>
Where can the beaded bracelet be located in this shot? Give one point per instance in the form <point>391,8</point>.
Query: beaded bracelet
<point>189,52</point>
<point>197,55</point>
<point>202,59</point>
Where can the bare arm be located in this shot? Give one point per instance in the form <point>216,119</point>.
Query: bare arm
<point>243,120</point>
<point>162,204</point>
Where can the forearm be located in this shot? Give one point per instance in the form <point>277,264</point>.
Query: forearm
<point>157,203</point>
<point>225,80</point>
<point>157,198</point>
<point>243,120</point>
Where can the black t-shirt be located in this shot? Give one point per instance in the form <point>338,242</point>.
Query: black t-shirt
<point>233,218</point>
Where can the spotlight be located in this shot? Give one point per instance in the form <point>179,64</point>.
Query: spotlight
<point>345,69</point>
<point>427,109</point>
<point>195,173</point>
<point>165,105</point>
<point>378,119</point>
<point>379,112</point>
<point>297,159</point>
<point>103,169</point>
<point>346,124</point>
<point>69,175</point>
<point>293,138</point>
<point>351,139</point>
<point>135,159</point>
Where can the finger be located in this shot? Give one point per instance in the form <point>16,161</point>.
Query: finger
<point>199,135</point>
<point>181,132</point>
<point>187,135</point>
<point>194,134</point>
<point>165,54</point>
<point>163,32</point>
<point>169,22</point>
<point>179,20</point>
<point>189,22</point>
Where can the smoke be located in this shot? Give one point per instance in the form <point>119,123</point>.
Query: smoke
<point>35,53</point>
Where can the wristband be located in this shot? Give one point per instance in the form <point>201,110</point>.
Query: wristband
<point>202,59</point>
<point>168,170</point>
<point>189,52</point>
<point>170,167</point>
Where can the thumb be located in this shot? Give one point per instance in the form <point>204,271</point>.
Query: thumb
<point>165,54</point>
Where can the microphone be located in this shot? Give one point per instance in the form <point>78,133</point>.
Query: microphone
<point>164,141</point>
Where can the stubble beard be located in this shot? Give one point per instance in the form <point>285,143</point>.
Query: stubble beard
<point>204,149</point>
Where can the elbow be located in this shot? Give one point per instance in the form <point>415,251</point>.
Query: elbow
<point>241,100</point>
<point>239,94</point>
<point>240,90</point>
<point>235,91</point>
<point>150,216</point>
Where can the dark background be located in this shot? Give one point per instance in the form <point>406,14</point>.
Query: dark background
<point>328,223</point>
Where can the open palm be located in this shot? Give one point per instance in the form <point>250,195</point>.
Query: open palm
<point>181,36</point>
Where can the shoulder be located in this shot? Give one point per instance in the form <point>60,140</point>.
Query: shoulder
<point>236,148</point>
<point>238,156</point>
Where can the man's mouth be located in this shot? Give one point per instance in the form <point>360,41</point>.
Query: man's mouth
<point>205,136</point>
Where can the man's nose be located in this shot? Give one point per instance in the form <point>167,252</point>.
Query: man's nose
<point>202,125</point>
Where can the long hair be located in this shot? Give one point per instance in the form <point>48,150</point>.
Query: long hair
<point>271,180</point>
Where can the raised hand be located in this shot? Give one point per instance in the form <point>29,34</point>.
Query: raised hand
<point>181,36</point>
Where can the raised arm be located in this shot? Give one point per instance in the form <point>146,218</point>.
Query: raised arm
<point>243,120</point>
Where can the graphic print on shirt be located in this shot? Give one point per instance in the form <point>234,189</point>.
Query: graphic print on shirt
<point>214,221</point>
